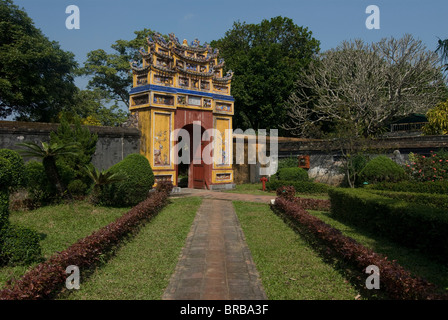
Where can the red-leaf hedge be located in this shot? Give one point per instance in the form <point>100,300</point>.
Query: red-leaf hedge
<point>288,192</point>
<point>48,277</point>
<point>394,279</point>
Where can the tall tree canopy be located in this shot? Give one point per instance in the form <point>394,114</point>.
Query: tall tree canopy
<point>110,72</point>
<point>36,76</point>
<point>365,87</point>
<point>266,59</point>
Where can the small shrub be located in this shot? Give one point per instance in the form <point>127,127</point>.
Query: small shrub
<point>290,162</point>
<point>39,188</point>
<point>6,175</point>
<point>77,187</point>
<point>432,168</point>
<point>20,246</point>
<point>134,188</point>
<point>37,184</point>
<point>292,174</point>
<point>17,167</point>
<point>382,168</point>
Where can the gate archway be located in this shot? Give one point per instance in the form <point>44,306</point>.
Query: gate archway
<point>178,86</point>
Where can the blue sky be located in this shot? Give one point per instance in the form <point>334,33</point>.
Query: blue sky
<point>102,22</point>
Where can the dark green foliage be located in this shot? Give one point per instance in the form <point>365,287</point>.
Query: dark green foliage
<point>36,76</point>
<point>134,188</point>
<point>20,246</point>
<point>50,153</point>
<point>412,186</point>
<point>292,174</point>
<point>300,186</point>
<point>17,167</point>
<point>6,174</point>
<point>290,162</point>
<point>382,168</point>
<point>410,224</point>
<point>352,167</point>
<point>39,188</point>
<point>428,199</point>
<point>5,181</point>
<point>109,72</point>
<point>100,179</point>
<point>267,59</point>
<point>4,214</point>
<point>77,187</point>
<point>86,141</point>
<point>17,245</point>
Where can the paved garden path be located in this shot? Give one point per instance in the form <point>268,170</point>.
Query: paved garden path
<point>216,263</point>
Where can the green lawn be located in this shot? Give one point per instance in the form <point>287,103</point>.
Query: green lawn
<point>289,268</point>
<point>142,267</point>
<point>60,226</point>
<point>257,189</point>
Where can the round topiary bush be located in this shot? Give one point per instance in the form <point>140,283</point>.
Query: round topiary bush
<point>292,174</point>
<point>134,188</point>
<point>17,166</point>
<point>381,169</point>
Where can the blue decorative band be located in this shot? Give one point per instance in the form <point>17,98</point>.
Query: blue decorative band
<point>152,87</point>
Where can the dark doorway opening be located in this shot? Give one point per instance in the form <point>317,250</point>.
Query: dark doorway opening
<point>192,174</point>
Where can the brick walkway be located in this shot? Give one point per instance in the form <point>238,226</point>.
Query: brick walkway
<point>216,263</point>
<point>224,195</point>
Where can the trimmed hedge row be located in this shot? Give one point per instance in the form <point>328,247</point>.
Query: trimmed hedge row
<point>395,280</point>
<point>308,187</point>
<point>48,277</point>
<point>415,226</point>
<point>427,199</point>
<point>440,187</point>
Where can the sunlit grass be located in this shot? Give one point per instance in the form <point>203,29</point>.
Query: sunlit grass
<point>288,266</point>
<point>142,267</point>
<point>59,226</point>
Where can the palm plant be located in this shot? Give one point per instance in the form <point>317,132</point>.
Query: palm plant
<point>100,179</point>
<point>48,153</point>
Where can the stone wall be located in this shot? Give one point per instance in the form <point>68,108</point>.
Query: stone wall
<point>325,157</point>
<point>114,143</point>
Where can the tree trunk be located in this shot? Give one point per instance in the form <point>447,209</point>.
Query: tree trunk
<point>52,173</point>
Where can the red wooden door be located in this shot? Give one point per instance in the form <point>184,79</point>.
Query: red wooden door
<point>199,172</point>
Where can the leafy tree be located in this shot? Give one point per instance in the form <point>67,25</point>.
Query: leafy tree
<point>437,120</point>
<point>111,72</point>
<point>49,152</point>
<point>36,76</point>
<point>77,134</point>
<point>266,59</point>
<point>365,86</point>
<point>94,108</point>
